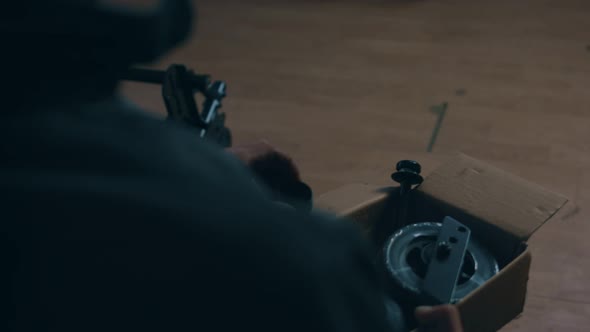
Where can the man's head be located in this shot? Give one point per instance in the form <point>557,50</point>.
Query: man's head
<point>59,49</point>
<point>105,32</point>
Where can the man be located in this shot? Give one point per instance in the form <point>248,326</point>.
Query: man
<point>117,221</point>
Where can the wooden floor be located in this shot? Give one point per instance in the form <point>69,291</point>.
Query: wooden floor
<point>346,88</point>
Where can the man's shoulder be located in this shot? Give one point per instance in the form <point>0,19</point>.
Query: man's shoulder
<point>115,144</point>
<point>116,135</point>
<point>116,149</point>
<point>175,211</point>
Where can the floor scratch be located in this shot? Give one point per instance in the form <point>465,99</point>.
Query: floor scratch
<point>576,210</point>
<point>440,110</point>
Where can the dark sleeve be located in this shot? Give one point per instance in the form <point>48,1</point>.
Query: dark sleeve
<point>261,268</point>
<point>300,274</point>
<point>290,271</point>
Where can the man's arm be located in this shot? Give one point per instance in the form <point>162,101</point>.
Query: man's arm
<point>442,318</point>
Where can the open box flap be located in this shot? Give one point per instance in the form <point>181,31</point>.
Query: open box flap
<point>348,199</point>
<point>507,201</point>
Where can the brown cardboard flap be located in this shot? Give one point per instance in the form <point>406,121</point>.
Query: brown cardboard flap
<point>351,198</point>
<point>504,295</point>
<point>507,201</point>
<point>360,203</point>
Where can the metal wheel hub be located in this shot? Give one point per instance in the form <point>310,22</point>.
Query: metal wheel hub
<point>408,252</point>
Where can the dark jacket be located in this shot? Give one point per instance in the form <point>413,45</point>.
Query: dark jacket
<point>113,220</point>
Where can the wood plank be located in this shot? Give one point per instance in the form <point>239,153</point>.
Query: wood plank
<point>551,314</point>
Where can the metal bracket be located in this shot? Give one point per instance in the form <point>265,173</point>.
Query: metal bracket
<point>446,263</point>
<point>179,86</point>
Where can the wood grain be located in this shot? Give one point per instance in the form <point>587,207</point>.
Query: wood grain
<point>345,87</point>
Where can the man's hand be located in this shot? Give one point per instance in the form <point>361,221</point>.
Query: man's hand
<point>443,318</point>
<point>277,171</point>
<point>266,162</point>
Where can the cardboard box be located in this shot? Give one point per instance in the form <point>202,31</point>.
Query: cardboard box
<point>502,210</point>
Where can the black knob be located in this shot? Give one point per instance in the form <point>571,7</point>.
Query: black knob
<point>408,165</point>
<point>408,173</point>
